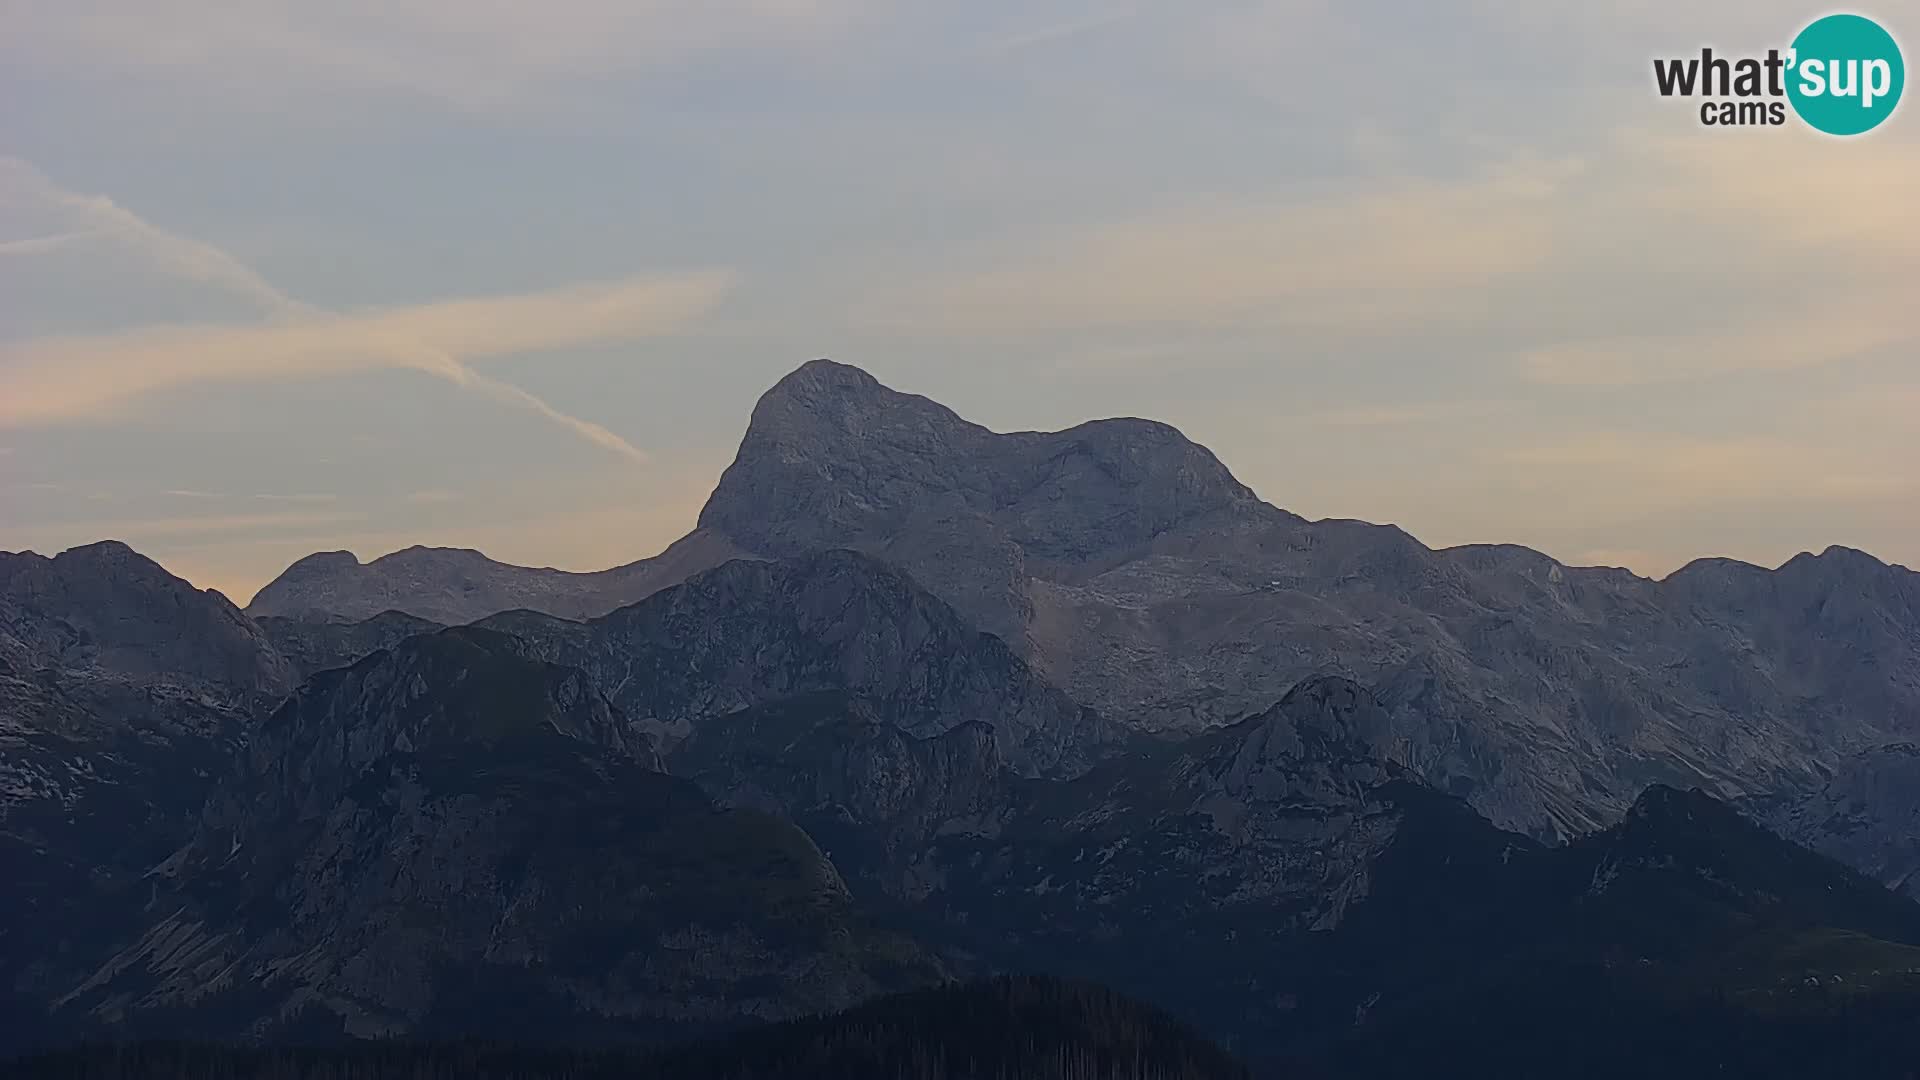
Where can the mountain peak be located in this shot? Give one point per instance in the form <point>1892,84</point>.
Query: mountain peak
<point>115,558</point>
<point>1689,827</point>
<point>101,549</point>
<point>1837,560</point>
<point>1325,690</point>
<point>1662,802</point>
<point>1714,851</point>
<point>424,551</point>
<point>1336,710</point>
<point>833,457</point>
<point>105,606</point>
<point>459,686</point>
<point>321,563</point>
<point>824,407</point>
<point>1324,721</point>
<point>816,376</point>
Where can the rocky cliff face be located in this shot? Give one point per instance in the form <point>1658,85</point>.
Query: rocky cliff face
<point>312,647</point>
<point>452,586</point>
<point>1838,631</point>
<point>447,838</point>
<point>1866,815</point>
<point>831,755</point>
<point>464,687</point>
<point>752,632</point>
<point>832,458</point>
<point>1284,814</point>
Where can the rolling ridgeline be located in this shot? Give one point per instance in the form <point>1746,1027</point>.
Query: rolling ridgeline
<point>919,705</point>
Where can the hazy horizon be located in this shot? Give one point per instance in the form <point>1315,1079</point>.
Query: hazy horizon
<point>376,275</point>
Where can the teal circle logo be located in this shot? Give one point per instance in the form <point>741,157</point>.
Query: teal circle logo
<point>1845,74</point>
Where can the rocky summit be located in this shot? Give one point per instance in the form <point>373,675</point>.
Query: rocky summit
<point>832,458</point>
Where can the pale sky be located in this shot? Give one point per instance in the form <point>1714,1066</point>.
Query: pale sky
<point>281,277</point>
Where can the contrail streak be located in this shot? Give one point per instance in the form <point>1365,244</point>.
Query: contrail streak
<point>205,263</point>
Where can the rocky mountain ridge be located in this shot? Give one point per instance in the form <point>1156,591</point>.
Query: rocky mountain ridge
<point>756,631</point>
<point>106,610</point>
<point>466,830</point>
<point>1126,565</point>
<point>459,585</point>
<point>313,647</point>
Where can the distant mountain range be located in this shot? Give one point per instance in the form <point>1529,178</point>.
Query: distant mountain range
<point>920,702</point>
<point>457,585</point>
<point>1128,567</point>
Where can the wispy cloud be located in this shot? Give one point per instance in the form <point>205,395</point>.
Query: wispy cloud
<point>41,245</point>
<point>60,379</point>
<point>189,493</point>
<point>22,184</point>
<point>314,497</point>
